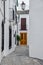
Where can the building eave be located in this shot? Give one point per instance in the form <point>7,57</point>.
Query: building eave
<point>23,12</point>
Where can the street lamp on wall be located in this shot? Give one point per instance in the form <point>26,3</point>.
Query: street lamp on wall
<point>23,5</point>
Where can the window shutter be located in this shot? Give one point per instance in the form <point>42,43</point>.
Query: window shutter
<point>23,24</point>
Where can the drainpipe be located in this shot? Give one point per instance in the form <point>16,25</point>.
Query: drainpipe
<point>16,17</point>
<point>17,23</point>
<point>4,9</point>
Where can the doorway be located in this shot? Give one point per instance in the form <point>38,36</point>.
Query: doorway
<point>15,38</point>
<point>10,37</point>
<point>2,36</point>
<point>23,40</point>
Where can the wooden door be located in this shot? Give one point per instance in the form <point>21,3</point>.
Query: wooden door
<point>23,39</point>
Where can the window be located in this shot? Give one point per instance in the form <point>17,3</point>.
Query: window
<point>11,13</point>
<point>23,23</point>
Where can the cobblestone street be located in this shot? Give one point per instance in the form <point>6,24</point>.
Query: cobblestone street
<point>19,57</point>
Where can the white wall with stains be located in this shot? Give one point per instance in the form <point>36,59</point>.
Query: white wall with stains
<point>36,29</point>
<point>27,25</point>
<point>6,50</point>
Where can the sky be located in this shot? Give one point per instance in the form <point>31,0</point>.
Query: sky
<point>26,1</point>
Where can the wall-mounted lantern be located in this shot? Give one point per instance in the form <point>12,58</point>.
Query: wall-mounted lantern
<point>23,5</point>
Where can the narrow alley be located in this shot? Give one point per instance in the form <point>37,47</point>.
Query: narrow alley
<point>21,32</point>
<point>19,57</point>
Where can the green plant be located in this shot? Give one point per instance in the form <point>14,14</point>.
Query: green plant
<point>18,38</point>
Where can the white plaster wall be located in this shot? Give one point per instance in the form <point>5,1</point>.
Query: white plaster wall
<point>0,35</point>
<point>7,50</point>
<point>13,41</point>
<point>15,29</point>
<point>6,44</point>
<point>36,29</point>
<point>1,18</point>
<point>6,31</point>
<point>27,24</point>
<point>7,24</point>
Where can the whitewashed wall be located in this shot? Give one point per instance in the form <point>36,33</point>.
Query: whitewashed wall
<point>36,29</point>
<point>1,18</point>
<point>27,24</point>
<point>0,35</point>
<point>6,30</point>
<point>7,24</point>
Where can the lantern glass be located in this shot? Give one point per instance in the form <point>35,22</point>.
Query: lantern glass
<point>23,5</point>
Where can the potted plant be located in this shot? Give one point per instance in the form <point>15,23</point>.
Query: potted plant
<point>18,39</point>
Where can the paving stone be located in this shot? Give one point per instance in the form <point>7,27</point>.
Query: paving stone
<point>19,57</point>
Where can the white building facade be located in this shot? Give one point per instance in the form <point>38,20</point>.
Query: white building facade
<point>23,24</point>
<point>8,28</point>
<point>36,29</point>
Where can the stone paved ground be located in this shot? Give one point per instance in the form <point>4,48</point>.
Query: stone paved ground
<point>19,57</point>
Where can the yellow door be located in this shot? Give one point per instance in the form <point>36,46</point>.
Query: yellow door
<point>23,39</point>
